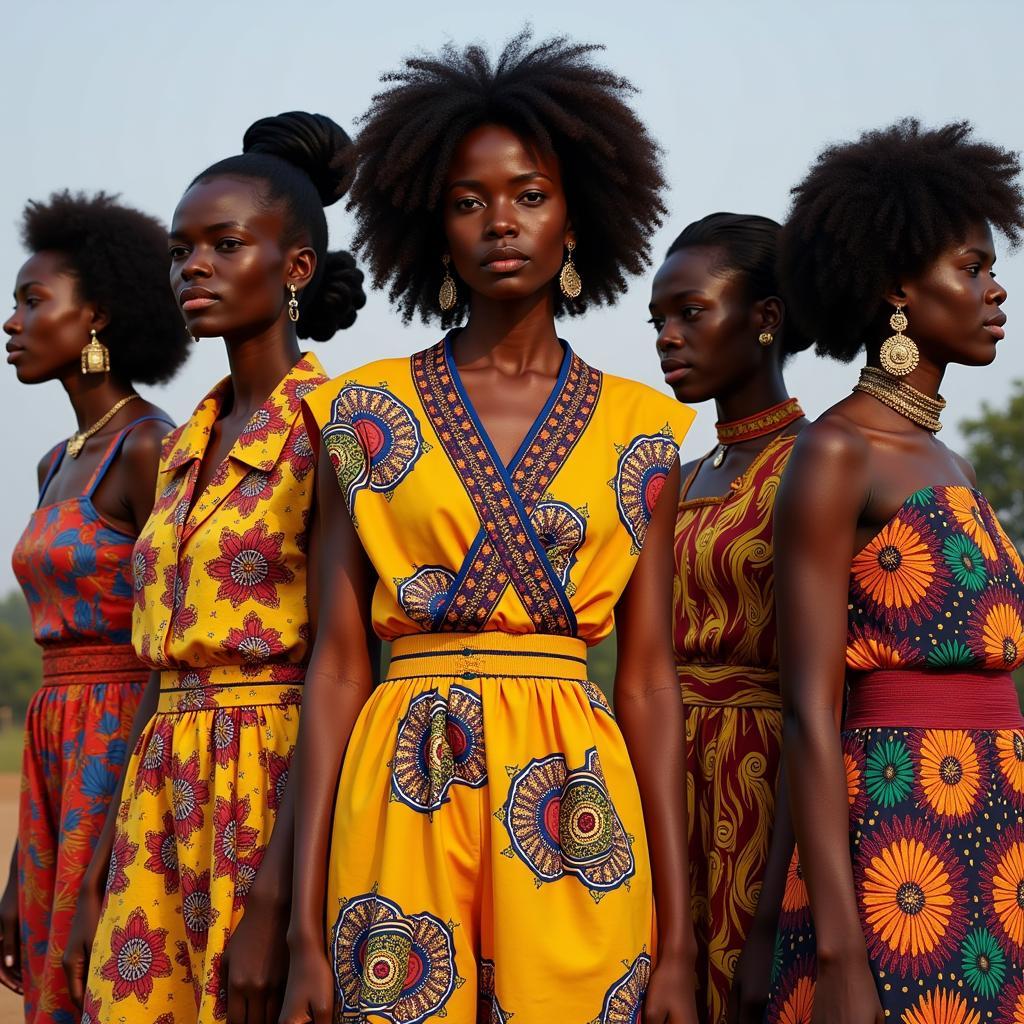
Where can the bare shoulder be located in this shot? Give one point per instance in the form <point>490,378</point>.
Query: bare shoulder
<point>141,448</point>
<point>833,441</point>
<point>965,467</point>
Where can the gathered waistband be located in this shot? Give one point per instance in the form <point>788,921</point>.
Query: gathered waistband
<point>933,700</point>
<point>472,655</point>
<point>230,686</point>
<point>91,665</point>
<point>734,686</point>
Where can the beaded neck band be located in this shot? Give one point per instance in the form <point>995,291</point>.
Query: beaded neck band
<point>899,396</point>
<point>768,421</point>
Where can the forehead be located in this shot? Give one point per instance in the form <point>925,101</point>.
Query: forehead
<point>697,268</point>
<point>494,151</point>
<point>48,268</point>
<point>227,200</point>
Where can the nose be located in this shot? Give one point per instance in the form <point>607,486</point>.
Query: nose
<point>668,339</point>
<point>502,223</point>
<point>197,265</point>
<point>997,294</point>
<point>12,325</point>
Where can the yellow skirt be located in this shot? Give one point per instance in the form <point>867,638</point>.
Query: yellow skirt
<point>488,860</point>
<point>202,790</point>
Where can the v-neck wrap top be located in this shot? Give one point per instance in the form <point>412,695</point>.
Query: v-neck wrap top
<point>220,582</point>
<point>462,543</point>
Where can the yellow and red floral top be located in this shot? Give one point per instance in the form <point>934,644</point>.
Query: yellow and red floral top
<point>223,585</point>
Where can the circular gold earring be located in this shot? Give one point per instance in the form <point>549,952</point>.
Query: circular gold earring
<point>898,354</point>
<point>446,295</point>
<point>293,306</point>
<point>765,339</point>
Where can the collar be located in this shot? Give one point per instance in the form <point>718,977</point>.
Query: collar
<point>261,441</point>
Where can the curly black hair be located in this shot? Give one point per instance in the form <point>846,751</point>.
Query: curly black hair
<point>552,94</point>
<point>305,162</point>
<point>882,208</point>
<point>119,257</point>
<point>749,246</point>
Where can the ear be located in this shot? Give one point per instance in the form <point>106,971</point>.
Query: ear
<point>98,319</point>
<point>896,296</point>
<point>769,314</point>
<point>301,267</point>
<point>570,234</point>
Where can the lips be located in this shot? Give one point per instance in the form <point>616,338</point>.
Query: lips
<point>504,260</point>
<point>674,371</point>
<point>193,299</point>
<point>994,326</point>
<point>14,351</point>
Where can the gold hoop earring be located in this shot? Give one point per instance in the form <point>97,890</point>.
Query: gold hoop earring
<point>569,279</point>
<point>95,356</point>
<point>293,306</point>
<point>447,295</point>
<point>765,339</point>
<point>898,354</point>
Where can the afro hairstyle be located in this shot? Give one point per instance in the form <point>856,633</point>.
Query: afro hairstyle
<point>881,209</point>
<point>749,247</point>
<point>552,94</point>
<point>305,162</point>
<point>119,257</point>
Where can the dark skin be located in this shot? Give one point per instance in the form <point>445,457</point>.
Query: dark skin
<point>501,194</point>
<point>707,342</point>
<point>230,269</point>
<point>47,330</point>
<point>849,474</point>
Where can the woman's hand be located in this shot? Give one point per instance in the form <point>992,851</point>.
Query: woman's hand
<point>10,937</point>
<point>255,962</point>
<point>671,994</point>
<point>78,948</point>
<point>845,992</point>
<point>748,996</point>
<point>309,998</point>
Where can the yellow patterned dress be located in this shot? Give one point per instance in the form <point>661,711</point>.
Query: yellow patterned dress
<point>489,860</point>
<point>220,611</point>
<point>728,663</point>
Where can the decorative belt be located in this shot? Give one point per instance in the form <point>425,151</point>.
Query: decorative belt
<point>733,686</point>
<point>933,700</point>
<point>230,686</point>
<point>472,655</point>
<point>91,664</point>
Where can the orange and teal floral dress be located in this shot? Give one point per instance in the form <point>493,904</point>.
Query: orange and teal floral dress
<point>73,568</point>
<point>219,587</point>
<point>933,743</point>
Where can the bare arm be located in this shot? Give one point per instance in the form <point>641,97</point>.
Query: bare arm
<point>822,495</point>
<point>338,683</point>
<point>649,710</point>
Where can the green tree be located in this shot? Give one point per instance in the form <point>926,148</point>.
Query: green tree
<point>20,660</point>
<point>995,443</point>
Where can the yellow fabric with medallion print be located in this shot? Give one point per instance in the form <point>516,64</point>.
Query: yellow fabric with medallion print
<point>220,612</point>
<point>489,860</point>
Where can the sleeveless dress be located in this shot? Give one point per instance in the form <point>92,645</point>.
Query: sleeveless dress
<point>933,743</point>
<point>728,664</point>
<point>73,569</point>
<point>220,612</point>
<point>489,860</point>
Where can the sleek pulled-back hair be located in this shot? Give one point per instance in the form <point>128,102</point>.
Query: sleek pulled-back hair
<point>748,246</point>
<point>118,257</point>
<point>554,96</point>
<point>304,161</point>
<point>883,208</point>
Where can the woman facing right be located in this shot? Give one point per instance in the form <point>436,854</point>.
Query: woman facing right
<point>897,587</point>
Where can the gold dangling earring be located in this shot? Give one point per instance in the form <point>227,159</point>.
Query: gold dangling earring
<point>446,295</point>
<point>765,339</point>
<point>898,354</point>
<point>95,356</point>
<point>569,279</point>
<point>293,306</point>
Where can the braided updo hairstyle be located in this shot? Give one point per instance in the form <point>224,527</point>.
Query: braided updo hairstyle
<point>304,161</point>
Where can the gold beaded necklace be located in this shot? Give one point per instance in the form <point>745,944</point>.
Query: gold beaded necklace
<point>899,396</point>
<point>77,440</point>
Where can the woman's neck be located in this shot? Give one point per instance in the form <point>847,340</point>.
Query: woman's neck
<point>759,392</point>
<point>92,395</point>
<point>258,364</point>
<point>516,336</point>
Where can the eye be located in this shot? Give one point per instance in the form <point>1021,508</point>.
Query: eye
<point>31,301</point>
<point>467,203</point>
<point>974,269</point>
<point>658,323</point>
<point>177,252</point>
<point>691,312</point>
<point>229,244</point>
<point>533,198</point>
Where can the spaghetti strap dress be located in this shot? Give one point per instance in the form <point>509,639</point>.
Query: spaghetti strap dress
<point>220,612</point>
<point>489,859</point>
<point>933,743</point>
<point>74,570</point>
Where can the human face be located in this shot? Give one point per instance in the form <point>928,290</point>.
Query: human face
<point>50,325</point>
<point>505,215</point>
<point>707,326</point>
<point>953,307</point>
<point>229,270</point>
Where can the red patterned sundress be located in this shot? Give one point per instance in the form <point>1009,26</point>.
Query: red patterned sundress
<point>933,743</point>
<point>75,572</point>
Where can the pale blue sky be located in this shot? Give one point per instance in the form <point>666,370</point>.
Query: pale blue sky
<point>137,97</point>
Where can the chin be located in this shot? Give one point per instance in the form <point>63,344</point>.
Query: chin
<point>982,354</point>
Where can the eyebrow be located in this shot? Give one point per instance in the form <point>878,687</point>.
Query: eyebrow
<point>519,179</point>
<point>983,253</point>
<point>222,226</point>
<point>25,285</point>
<point>676,296</point>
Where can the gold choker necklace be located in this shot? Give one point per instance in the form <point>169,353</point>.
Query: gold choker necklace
<point>899,396</point>
<point>77,440</point>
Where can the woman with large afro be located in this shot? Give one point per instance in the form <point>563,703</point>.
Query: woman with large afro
<point>900,601</point>
<point>497,841</point>
<point>92,310</point>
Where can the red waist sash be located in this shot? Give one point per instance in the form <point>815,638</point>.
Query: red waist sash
<point>933,700</point>
<point>89,664</point>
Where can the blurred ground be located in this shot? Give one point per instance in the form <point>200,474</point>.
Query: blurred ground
<point>10,1004</point>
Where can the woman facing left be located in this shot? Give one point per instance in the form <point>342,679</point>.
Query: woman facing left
<point>93,311</point>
